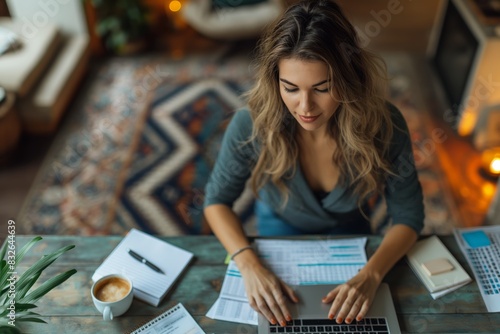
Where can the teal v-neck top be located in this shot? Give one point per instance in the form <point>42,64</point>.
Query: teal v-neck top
<point>304,210</point>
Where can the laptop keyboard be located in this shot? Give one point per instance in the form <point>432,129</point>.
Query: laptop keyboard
<point>326,326</point>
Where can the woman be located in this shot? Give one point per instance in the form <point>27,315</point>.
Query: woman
<point>317,141</point>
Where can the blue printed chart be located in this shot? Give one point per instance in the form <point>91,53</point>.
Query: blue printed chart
<point>296,262</point>
<point>481,247</point>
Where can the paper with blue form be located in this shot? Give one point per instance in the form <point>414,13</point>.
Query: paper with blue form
<point>481,247</point>
<point>296,262</point>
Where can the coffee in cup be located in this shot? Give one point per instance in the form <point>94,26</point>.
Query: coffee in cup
<point>112,289</point>
<point>112,295</point>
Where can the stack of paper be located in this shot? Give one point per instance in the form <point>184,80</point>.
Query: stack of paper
<point>150,285</point>
<point>448,274</point>
<point>481,247</point>
<point>296,262</point>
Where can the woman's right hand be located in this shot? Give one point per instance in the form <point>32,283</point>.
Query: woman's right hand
<point>267,293</point>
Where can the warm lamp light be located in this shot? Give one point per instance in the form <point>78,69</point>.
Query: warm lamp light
<point>491,161</point>
<point>495,165</point>
<point>487,141</point>
<point>466,125</point>
<point>174,6</point>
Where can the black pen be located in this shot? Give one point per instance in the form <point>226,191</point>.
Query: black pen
<point>146,262</point>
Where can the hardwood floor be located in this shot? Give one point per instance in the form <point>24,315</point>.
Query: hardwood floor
<point>17,175</point>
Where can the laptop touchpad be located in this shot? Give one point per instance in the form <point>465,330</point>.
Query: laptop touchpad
<point>310,304</point>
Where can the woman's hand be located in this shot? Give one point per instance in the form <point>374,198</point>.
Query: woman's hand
<point>267,293</point>
<point>353,299</point>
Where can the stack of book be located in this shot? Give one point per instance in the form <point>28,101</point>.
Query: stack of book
<point>436,267</point>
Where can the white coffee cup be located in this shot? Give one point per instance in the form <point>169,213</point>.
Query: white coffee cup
<point>112,295</point>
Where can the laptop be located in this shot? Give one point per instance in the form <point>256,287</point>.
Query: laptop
<point>310,314</point>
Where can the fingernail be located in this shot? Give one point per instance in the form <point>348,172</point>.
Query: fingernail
<point>273,321</point>
<point>348,320</point>
<point>330,316</point>
<point>283,323</point>
<point>359,318</point>
<point>288,318</point>
<point>339,320</point>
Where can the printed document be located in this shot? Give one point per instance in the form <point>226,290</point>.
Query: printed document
<point>176,320</point>
<point>481,247</point>
<point>296,262</point>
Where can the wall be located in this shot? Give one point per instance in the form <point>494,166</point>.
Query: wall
<point>408,29</point>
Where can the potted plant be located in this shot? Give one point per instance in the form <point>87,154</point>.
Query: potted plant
<point>121,24</point>
<point>17,298</point>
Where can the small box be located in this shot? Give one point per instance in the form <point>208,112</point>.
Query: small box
<point>430,260</point>
<point>437,266</point>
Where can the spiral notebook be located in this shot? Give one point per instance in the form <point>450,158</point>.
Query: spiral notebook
<point>176,320</point>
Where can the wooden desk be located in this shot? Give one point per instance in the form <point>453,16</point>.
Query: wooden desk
<point>69,308</point>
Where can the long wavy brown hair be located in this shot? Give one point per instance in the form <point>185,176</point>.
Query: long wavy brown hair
<point>361,127</point>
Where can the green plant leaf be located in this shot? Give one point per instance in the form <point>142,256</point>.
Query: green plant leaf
<point>43,263</point>
<point>26,248</point>
<point>2,292</point>
<point>23,289</point>
<point>20,308</point>
<point>3,250</point>
<point>19,256</point>
<point>4,286</point>
<point>48,285</point>
<point>7,329</point>
<point>3,313</point>
<point>21,312</point>
<point>3,276</point>
<point>23,307</point>
<point>24,314</point>
<point>32,319</point>
<point>24,298</point>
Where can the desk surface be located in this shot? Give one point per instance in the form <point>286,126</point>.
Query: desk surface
<point>69,308</point>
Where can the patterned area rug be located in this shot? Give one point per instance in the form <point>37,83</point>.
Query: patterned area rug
<point>138,150</point>
<point>177,151</point>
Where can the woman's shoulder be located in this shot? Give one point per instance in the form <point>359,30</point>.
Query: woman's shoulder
<point>241,124</point>
<point>399,125</point>
<point>242,116</point>
<point>396,115</point>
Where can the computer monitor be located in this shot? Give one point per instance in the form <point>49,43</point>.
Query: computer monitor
<point>464,53</point>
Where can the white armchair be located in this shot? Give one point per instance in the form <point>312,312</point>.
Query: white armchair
<point>45,71</point>
<point>231,23</point>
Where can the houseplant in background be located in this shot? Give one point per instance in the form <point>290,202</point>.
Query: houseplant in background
<point>122,25</point>
<point>17,299</point>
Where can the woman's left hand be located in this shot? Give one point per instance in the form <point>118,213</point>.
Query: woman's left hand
<point>353,299</point>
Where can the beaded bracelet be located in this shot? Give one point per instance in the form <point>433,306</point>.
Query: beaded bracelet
<point>240,250</point>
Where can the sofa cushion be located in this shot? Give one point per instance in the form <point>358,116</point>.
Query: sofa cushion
<point>234,3</point>
<point>43,108</point>
<point>22,68</point>
<point>231,23</point>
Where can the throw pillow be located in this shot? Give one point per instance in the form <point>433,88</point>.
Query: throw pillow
<point>217,4</point>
